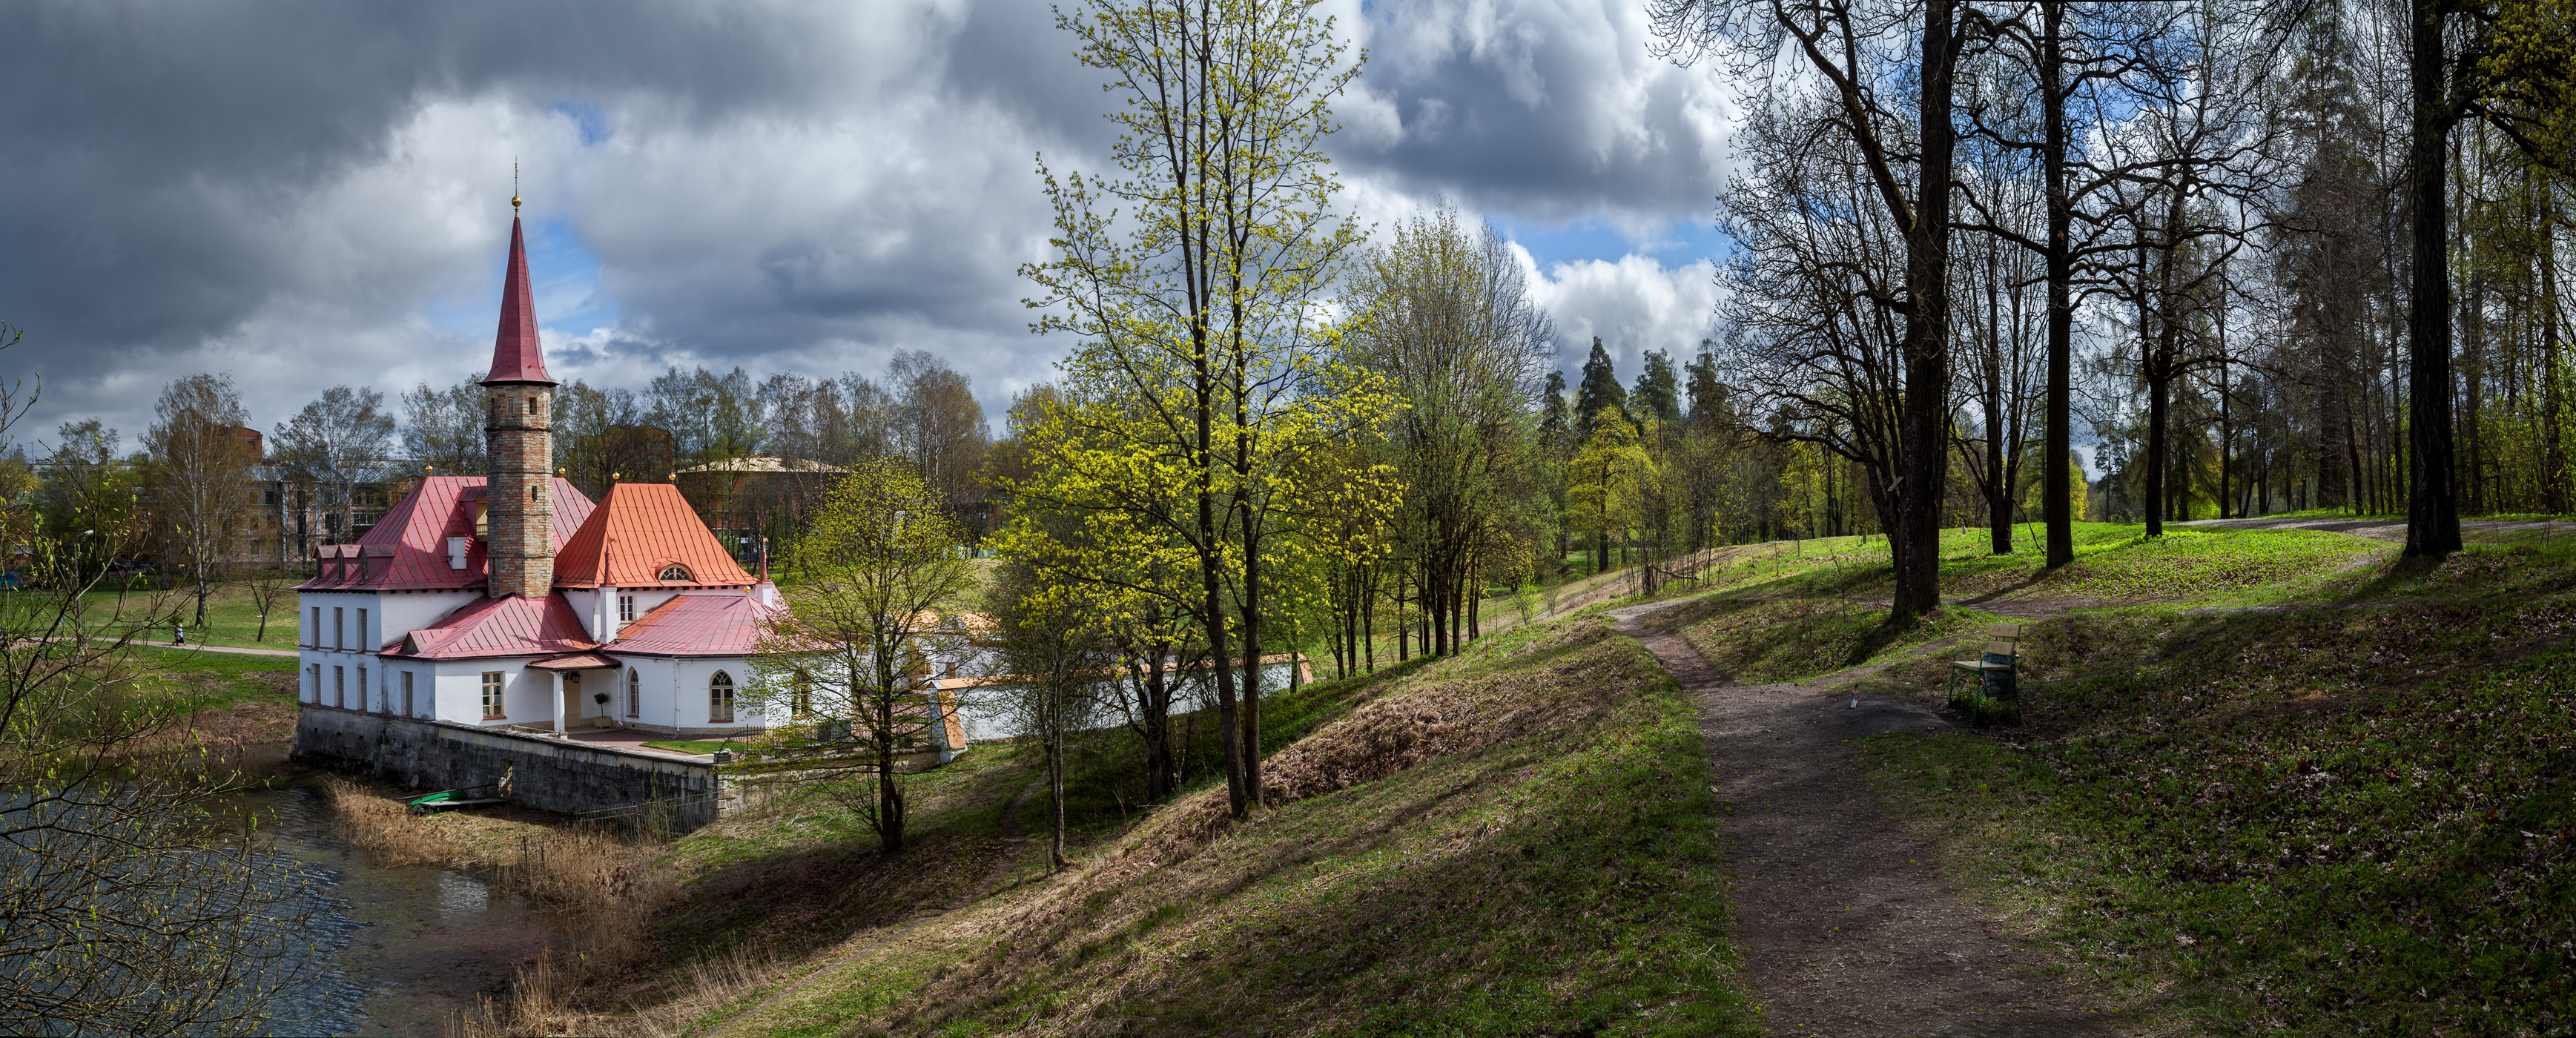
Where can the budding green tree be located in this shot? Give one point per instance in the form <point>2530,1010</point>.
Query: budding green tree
<point>855,643</point>
<point>1195,280</point>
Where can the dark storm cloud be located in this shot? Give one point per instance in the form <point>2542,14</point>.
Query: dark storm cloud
<point>305,194</point>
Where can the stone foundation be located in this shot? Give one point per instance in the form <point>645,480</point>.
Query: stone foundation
<point>554,774</point>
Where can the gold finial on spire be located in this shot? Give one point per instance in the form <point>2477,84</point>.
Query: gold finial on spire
<point>514,185</point>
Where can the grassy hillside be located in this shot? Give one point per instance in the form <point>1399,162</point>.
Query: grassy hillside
<point>2347,811</point>
<point>1516,841</point>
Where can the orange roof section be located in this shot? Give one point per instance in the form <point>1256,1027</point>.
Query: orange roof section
<point>639,531</point>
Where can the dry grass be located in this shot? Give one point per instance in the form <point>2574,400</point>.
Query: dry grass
<point>386,829</point>
<point>605,894</point>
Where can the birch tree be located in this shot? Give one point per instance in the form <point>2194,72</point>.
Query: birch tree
<point>201,469</point>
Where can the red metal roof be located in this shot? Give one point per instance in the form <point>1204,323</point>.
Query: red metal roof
<point>696,623</point>
<point>407,549</point>
<point>640,530</point>
<point>516,356</point>
<point>512,626</point>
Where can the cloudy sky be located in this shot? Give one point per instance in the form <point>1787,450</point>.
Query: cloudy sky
<point>310,194</point>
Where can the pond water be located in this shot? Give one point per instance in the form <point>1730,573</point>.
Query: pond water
<point>400,951</point>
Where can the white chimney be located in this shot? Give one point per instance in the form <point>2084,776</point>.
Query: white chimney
<point>765,593</point>
<point>456,549</point>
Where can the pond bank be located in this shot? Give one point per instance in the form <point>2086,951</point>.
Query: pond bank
<point>400,950</point>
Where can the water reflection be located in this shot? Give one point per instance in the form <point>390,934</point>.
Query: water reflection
<point>400,951</point>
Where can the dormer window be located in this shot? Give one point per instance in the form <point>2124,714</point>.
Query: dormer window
<point>675,573</point>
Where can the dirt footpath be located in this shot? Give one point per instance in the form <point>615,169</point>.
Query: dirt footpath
<point>1847,928</point>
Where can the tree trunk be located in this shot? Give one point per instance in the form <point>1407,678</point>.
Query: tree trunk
<point>2159,390</point>
<point>1927,328</point>
<point>2055,508</point>
<point>1998,483</point>
<point>1251,663</point>
<point>1160,779</point>
<point>2432,511</point>
<point>889,795</point>
<point>1055,779</point>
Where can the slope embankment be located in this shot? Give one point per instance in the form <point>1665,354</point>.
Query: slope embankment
<point>1521,839</point>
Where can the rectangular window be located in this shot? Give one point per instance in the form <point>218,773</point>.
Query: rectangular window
<point>340,687</point>
<point>363,703</point>
<point>634,693</point>
<point>626,609</point>
<point>316,672</point>
<point>339,628</point>
<point>801,698</point>
<point>313,632</point>
<point>491,695</point>
<point>407,706</point>
<point>362,630</point>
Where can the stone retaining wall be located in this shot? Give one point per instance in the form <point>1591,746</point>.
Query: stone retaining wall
<point>554,774</point>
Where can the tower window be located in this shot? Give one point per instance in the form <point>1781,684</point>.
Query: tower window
<point>532,493</point>
<point>675,571</point>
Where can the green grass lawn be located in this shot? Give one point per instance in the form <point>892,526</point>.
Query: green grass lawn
<point>230,618</point>
<point>2320,822</point>
<point>220,679</point>
<point>2114,562</point>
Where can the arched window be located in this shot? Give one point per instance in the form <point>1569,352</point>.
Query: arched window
<point>720,698</point>
<point>634,692</point>
<point>675,571</point>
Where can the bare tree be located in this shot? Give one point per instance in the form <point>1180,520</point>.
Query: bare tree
<point>443,428</point>
<point>201,474</point>
<point>937,424</point>
<point>336,443</point>
<point>1865,56</point>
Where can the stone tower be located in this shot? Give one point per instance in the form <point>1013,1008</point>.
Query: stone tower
<point>518,442</point>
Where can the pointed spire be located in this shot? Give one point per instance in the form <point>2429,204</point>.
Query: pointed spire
<point>516,356</point>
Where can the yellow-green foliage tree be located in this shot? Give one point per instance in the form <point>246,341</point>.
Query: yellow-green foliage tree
<point>1606,483</point>
<point>1095,525</point>
<point>1194,279</point>
<point>2033,488</point>
<point>856,641</point>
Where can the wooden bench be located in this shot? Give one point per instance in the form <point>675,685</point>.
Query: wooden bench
<point>2001,659</point>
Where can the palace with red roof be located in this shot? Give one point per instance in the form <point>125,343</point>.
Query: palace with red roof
<point>514,600</point>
